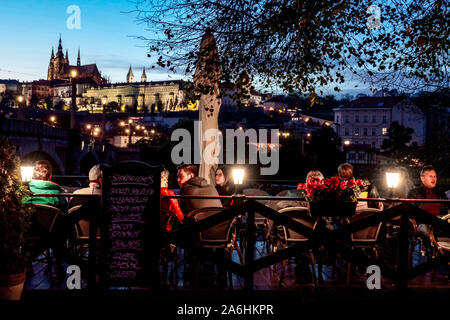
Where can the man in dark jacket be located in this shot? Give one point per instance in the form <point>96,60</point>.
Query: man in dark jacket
<point>192,185</point>
<point>428,190</point>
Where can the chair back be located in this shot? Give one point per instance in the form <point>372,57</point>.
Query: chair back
<point>280,204</point>
<point>298,214</point>
<point>46,218</point>
<point>369,234</point>
<point>80,217</point>
<point>217,235</point>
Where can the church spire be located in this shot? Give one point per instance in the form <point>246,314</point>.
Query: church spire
<point>60,54</point>
<point>130,75</point>
<point>144,76</point>
<point>53,54</point>
<point>78,59</point>
<point>67,56</point>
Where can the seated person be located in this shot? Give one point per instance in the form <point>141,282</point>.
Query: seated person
<point>40,183</point>
<point>95,187</point>
<point>171,205</point>
<point>192,185</point>
<point>223,185</point>
<point>428,190</point>
<point>345,171</point>
<point>369,191</point>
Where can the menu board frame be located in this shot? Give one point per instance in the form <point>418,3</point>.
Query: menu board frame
<point>129,225</point>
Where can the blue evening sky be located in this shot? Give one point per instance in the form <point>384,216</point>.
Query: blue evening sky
<point>29,29</point>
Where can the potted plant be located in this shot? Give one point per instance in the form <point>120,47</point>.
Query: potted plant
<point>14,220</point>
<point>331,197</point>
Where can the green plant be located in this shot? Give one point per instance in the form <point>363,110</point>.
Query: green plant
<point>14,215</point>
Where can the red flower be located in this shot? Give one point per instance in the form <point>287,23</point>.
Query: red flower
<point>359,182</point>
<point>343,184</point>
<point>301,186</point>
<point>334,181</point>
<point>351,183</point>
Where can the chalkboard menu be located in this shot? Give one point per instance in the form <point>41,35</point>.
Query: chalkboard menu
<point>130,225</point>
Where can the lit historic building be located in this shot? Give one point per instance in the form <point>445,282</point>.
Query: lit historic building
<point>59,67</point>
<point>144,96</point>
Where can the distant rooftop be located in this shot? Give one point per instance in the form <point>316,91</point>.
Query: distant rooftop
<point>372,102</point>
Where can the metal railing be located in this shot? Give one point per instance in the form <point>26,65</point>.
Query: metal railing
<point>249,206</point>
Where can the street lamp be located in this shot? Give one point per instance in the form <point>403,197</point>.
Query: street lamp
<point>103,119</point>
<point>20,111</point>
<point>73,74</point>
<point>392,180</point>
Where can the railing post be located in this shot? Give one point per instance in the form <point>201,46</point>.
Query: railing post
<point>250,250</point>
<point>92,257</point>
<point>402,281</point>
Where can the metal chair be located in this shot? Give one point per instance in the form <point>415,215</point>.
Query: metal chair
<point>45,239</point>
<point>289,237</point>
<point>79,217</point>
<point>440,242</point>
<point>367,238</point>
<point>219,239</point>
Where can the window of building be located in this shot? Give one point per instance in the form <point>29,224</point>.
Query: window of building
<point>361,156</point>
<point>351,156</point>
<point>365,119</point>
<point>356,131</point>
<point>374,131</point>
<point>347,119</point>
<point>384,131</point>
<point>337,118</point>
<point>365,131</point>
<point>346,132</point>
<point>373,144</point>
<point>384,118</point>
<point>357,118</point>
<point>356,142</point>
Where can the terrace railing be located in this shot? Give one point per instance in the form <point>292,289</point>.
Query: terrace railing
<point>249,206</point>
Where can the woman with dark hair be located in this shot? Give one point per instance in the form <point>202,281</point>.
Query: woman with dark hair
<point>369,190</point>
<point>223,185</point>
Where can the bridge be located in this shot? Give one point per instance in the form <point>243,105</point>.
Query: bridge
<point>69,151</point>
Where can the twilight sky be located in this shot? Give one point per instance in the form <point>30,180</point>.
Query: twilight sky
<point>31,27</point>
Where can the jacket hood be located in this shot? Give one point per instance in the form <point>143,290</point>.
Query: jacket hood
<point>198,182</point>
<point>42,186</point>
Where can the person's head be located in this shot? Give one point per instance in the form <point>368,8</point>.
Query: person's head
<point>428,177</point>
<point>369,190</point>
<point>316,174</point>
<point>185,173</point>
<point>42,170</point>
<point>221,176</point>
<point>95,174</point>
<point>345,171</point>
<point>165,178</point>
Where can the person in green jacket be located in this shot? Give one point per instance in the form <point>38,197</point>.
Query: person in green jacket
<point>40,183</point>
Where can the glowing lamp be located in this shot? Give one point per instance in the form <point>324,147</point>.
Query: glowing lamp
<point>73,73</point>
<point>392,179</point>
<point>27,173</point>
<point>238,176</point>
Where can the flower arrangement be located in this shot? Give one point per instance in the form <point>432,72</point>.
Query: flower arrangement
<point>331,190</point>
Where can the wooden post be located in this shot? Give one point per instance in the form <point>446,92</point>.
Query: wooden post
<point>250,250</point>
<point>94,202</point>
<point>402,281</point>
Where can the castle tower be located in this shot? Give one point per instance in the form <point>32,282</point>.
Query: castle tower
<point>144,76</point>
<point>130,75</point>
<point>57,62</point>
<point>78,59</point>
<point>50,74</point>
